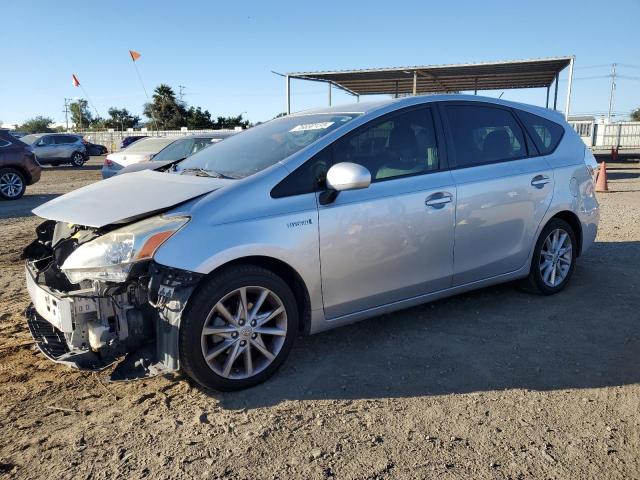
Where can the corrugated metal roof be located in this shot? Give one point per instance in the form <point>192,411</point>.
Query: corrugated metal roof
<point>444,78</point>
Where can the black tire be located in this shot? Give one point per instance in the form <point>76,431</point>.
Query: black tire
<point>203,300</point>
<point>77,159</point>
<point>535,281</point>
<point>12,184</point>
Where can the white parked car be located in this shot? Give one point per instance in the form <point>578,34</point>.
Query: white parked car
<point>140,151</point>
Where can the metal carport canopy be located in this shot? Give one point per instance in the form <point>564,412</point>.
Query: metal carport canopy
<point>416,80</point>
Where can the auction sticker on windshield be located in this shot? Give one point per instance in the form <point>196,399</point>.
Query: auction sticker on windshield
<point>305,127</point>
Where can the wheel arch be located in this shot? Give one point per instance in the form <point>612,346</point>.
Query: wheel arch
<point>288,274</point>
<point>20,169</point>
<point>573,220</point>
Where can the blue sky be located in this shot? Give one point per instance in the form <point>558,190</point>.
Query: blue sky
<point>223,52</point>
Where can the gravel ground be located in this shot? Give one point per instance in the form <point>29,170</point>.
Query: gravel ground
<point>491,384</point>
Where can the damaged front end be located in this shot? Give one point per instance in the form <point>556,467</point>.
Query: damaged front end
<point>97,296</point>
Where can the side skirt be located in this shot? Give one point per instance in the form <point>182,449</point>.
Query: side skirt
<point>319,323</point>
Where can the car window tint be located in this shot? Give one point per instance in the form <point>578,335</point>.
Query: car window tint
<point>47,140</point>
<point>307,178</point>
<point>483,134</point>
<point>62,139</point>
<point>545,133</point>
<point>175,151</point>
<point>402,145</point>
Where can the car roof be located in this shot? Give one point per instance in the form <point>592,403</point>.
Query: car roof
<point>371,107</point>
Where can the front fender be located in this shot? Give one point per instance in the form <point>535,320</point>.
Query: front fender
<point>291,238</point>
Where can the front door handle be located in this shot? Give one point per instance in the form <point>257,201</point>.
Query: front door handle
<point>438,200</point>
<point>540,181</point>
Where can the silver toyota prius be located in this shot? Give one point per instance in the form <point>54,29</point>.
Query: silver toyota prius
<point>305,223</point>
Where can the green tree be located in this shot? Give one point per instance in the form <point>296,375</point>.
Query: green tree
<point>231,122</point>
<point>80,114</point>
<point>37,124</point>
<point>635,115</point>
<point>165,111</point>
<point>120,119</point>
<point>197,119</point>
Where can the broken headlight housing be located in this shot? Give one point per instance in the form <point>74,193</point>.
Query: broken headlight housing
<point>111,257</point>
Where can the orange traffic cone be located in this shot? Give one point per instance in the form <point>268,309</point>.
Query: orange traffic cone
<point>601,182</point>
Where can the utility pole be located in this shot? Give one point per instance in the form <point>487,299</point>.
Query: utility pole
<point>613,87</point>
<point>181,92</point>
<point>66,112</point>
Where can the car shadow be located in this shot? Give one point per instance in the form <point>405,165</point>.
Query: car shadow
<point>22,207</point>
<point>493,339</point>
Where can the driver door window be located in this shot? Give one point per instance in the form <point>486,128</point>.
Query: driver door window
<point>400,146</point>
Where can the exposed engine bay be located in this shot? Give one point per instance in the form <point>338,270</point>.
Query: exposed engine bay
<point>93,323</point>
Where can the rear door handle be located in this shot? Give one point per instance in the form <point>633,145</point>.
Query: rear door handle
<point>438,200</point>
<point>540,181</point>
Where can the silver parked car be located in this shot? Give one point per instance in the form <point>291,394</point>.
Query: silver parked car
<point>178,150</point>
<point>57,148</point>
<point>306,223</point>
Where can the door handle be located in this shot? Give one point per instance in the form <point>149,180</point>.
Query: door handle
<point>540,181</point>
<point>438,200</point>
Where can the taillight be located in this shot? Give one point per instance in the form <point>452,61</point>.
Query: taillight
<point>108,163</point>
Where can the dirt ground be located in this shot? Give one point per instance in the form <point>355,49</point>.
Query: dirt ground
<point>492,384</point>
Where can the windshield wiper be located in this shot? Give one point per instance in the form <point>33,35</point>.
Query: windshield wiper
<point>203,172</point>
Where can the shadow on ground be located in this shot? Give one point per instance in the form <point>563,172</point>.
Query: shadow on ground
<point>497,338</point>
<point>23,206</point>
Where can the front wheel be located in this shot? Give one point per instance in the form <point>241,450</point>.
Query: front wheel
<point>77,159</point>
<point>238,328</point>
<point>554,258</point>
<point>12,184</point>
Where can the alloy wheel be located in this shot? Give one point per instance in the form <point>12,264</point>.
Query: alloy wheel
<point>556,256</point>
<point>244,332</point>
<point>77,159</point>
<point>11,184</point>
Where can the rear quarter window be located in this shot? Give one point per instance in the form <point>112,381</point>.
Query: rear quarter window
<point>545,133</point>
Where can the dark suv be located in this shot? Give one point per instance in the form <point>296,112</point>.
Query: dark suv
<point>18,167</point>
<point>58,148</point>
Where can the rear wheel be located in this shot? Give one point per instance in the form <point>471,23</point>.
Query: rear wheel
<point>238,328</point>
<point>553,258</point>
<point>12,184</point>
<point>77,159</point>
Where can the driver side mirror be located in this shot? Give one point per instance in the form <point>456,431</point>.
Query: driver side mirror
<point>344,176</point>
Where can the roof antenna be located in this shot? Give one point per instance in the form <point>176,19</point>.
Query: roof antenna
<point>500,96</point>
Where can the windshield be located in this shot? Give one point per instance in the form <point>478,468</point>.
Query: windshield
<point>182,148</point>
<point>264,145</point>
<point>30,139</point>
<point>151,144</point>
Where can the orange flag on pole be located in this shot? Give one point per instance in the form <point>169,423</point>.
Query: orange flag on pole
<point>74,79</point>
<point>134,55</point>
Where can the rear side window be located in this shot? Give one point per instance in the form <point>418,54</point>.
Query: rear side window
<point>63,139</point>
<point>545,133</point>
<point>484,134</point>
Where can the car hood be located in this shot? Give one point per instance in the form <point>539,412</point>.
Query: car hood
<point>124,198</point>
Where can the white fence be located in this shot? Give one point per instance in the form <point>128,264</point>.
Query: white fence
<point>600,135</point>
<point>112,140</point>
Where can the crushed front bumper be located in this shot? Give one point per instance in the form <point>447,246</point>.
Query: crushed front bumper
<point>52,343</point>
<point>91,330</point>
